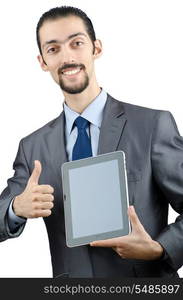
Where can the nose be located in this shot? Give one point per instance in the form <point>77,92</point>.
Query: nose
<point>66,56</point>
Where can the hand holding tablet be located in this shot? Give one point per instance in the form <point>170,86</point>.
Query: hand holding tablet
<point>95,194</point>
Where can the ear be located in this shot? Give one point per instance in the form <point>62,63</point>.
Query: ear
<point>98,48</point>
<point>44,67</point>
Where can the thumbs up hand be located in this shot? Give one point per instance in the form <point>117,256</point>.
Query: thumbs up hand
<point>36,200</point>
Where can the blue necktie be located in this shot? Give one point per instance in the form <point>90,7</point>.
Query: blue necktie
<point>82,147</point>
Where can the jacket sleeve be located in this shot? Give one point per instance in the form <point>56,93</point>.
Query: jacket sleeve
<point>15,186</point>
<point>167,165</point>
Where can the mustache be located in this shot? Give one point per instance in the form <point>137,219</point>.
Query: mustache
<point>60,70</point>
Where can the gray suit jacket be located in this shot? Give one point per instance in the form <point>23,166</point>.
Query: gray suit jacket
<point>154,156</point>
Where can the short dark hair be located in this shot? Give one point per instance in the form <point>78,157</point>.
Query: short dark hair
<point>65,11</point>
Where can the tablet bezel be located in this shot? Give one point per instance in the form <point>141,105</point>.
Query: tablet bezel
<point>120,157</point>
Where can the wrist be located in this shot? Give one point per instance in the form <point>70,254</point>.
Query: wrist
<point>158,250</point>
<point>15,206</point>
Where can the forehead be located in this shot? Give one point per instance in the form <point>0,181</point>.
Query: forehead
<point>61,28</point>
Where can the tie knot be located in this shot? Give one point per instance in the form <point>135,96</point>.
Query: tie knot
<point>81,123</point>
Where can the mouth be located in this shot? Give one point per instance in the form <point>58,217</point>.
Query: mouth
<point>71,71</point>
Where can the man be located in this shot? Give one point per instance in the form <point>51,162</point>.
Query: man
<point>154,154</point>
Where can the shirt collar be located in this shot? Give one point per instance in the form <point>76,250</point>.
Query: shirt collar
<point>93,112</point>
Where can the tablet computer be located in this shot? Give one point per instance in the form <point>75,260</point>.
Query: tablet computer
<point>95,194</point>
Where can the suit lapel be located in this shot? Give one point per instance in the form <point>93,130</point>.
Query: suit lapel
<point>56,145</point>
<point>110,132</point>
<point>112,126</point>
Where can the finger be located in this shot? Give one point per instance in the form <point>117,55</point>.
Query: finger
<point>106,243</point>
<point>43,197</point>
<point>41,213</point>
<point>45,205</point>
<point>43,189</point>
<point>135,222</point>
<point>34,178</point>
<point>46,213</point>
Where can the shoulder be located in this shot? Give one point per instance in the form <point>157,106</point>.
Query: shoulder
<point>44,130</point>
<point>137,112</point>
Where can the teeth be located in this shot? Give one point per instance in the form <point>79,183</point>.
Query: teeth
<point>71,72</point>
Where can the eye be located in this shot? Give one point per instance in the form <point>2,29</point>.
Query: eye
<point>51,50</point>
<point>78,43</point>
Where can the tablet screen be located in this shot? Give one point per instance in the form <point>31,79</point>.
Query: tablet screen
<point>96,201</point>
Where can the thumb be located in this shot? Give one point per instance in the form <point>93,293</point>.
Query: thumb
<point>135,222</point>
<point>34,178</point>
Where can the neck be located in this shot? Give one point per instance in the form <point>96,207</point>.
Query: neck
<point>78,102</point>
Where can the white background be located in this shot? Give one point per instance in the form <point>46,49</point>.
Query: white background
<point>142,64</point>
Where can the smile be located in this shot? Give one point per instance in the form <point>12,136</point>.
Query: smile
<point>72,71</point>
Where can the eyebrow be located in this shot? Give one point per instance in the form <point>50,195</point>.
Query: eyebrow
<point>63,42</point>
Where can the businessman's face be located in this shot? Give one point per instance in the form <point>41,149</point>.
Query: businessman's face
<point>68,53</point>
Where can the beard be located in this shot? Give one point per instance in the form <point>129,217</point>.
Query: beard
<point>75,88</point>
